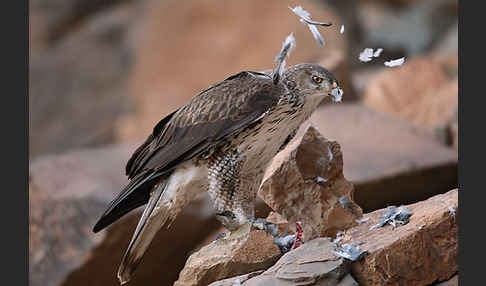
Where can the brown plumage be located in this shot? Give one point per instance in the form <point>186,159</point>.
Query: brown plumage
<point>220,142</point>
<point>201,124</point>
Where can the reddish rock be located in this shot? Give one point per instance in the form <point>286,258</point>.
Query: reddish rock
<point>417,253</point>
<point>420,91</point>
<point>68,193</point>
<point>222,38</point>
<point>388,160</point>
<point>420,252</point>
<point>305,182</point>
<point>241,252</point>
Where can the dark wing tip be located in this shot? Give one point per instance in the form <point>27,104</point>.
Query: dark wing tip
<point>135,194</point>
<point>99,226</point>
<point>106,219</point>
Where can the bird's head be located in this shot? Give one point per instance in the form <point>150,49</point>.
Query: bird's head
<point>312,83</point>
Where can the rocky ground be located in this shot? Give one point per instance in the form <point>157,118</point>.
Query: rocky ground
<point>102,73</point>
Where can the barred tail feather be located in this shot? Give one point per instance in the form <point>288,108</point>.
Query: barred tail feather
<point>153,218</point>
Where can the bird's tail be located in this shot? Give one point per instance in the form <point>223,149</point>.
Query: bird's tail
<point>153,218</point>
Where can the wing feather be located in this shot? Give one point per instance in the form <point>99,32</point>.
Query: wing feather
<point>225,108</point>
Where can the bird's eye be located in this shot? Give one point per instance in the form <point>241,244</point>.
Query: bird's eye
<point>316,79</point>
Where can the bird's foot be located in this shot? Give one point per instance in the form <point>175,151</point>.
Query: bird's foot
<point>262,224</point>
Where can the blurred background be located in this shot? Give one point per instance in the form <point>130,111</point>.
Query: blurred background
<point>103,72</point>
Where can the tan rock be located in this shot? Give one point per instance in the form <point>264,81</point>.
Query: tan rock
<point>388,160</point>
<point>68,193</point>
<point>305,182</point>
<point>242,252</point>
<point>420,91</point>
<point>222,38</point>
<point>236,280</point>
<point>454,281</point>
<point>418,253</point>
<point>311,264</point>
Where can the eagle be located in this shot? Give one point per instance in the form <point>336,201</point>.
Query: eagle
<point>221,142</point>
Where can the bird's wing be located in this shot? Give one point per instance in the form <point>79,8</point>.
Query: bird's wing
<point>213,114</point>
<point>226,107</point>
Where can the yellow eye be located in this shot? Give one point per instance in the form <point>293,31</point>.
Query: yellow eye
<point>317,79</point>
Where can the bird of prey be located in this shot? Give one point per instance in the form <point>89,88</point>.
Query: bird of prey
<point>221,142</point>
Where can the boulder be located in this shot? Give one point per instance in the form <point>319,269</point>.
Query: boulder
<point>236,280</point>
<point>68,193</point>
<point>418,253</point>
<point>243,251</point>
<point>388,160</point>
<point>311,264</point>
<point>305,182</point>
<point>408,31</point>
<point>80,60</point>
<point>178,58</point>
<point>420,91</point>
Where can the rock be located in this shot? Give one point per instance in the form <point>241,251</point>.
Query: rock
<point>52,20</point>
<point>79,66</point>
<point>446,51</point>
<point>169,71</point>
<point>362,77</point>
<point>261,210</point>
<point>280,221</point>
<point>410,31</point>
<point>68,193</point>
<point>242,252</point>
<point>236,280</point>
<point>453,131</point>
<point>454,281</point>
<point>420,91</point>
<point>387,160</point>
<point>417,253</point>
<point>311,264</point>
<point>428,243</point>
<point>305,182</point>
<point>448,44</point>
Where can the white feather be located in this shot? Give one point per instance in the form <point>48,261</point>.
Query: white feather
<point>305,19</point>
<point>395,63</point>
<point>366,55</point>
<point>377,52</point>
